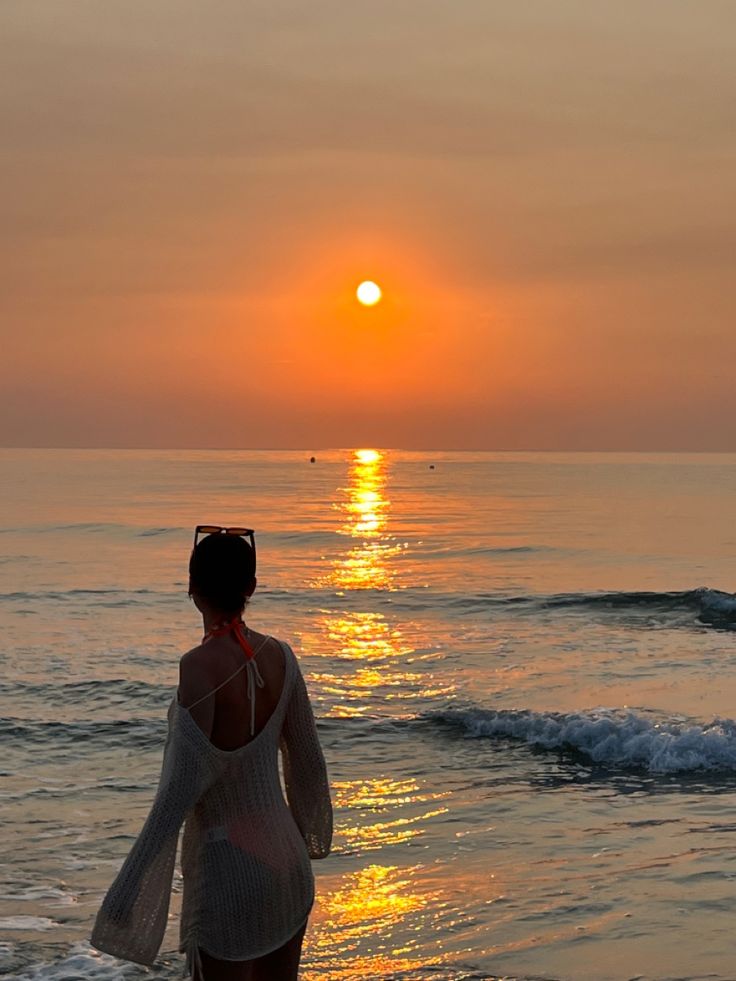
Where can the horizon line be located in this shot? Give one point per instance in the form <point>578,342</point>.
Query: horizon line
<point>375,446</point>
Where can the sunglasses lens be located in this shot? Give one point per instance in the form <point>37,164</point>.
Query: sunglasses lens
<point>216,529</point>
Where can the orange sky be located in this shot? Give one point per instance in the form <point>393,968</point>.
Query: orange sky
<point>191,193</point>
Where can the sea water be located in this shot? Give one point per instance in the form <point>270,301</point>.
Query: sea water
<point>523,668</point>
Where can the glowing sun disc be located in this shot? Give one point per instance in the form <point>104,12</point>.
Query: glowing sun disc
<point>369,293</point>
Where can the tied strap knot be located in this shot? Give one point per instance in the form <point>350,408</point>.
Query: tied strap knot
<point>253,675</point>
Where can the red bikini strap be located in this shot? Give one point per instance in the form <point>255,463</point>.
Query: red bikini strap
<point>237,627</point>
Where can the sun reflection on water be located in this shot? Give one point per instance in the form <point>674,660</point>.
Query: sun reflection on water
<point>369,679</point>
<point>380,900</point>
<point>378,795</point>
<point>375,674</point>
<point>364,507</point>
<point>374,897</point>
<point>364,637</point>
<point>377,920</point>
<point>369,837</point>
<point>367,637</point>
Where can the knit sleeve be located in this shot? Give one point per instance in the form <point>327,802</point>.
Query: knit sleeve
<point>305,771</point>
<point>132,919</point>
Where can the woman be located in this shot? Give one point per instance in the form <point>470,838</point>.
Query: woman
<point>248,883</point>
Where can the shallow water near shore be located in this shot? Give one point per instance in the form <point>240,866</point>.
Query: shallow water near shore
<point>524,672</point>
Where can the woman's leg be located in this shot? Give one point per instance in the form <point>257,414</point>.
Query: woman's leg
<point>217,970</point>
<point>281,964</point>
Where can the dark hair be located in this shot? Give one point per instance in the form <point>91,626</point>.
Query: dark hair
<point>222,569</point>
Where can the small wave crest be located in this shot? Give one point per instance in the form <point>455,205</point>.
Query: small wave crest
<point>92,692</point>
<point>703,600</point>
<point>710,606</point>
<point>607,737</point>
<point>101,598</point>
<point>138,732</point>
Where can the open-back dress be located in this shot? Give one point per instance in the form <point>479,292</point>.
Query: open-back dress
<point>246,850</point>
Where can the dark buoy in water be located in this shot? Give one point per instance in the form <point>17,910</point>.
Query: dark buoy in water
<point>431,466</point>
<point>313,459</point>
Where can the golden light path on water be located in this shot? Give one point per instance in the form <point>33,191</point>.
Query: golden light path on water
<point>375,901</point>
<point>367,638</point>
<point>377,796</point>
<point>364,509</point>
<point>375,920</point>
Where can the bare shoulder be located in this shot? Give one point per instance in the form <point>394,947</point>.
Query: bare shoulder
<point>272,657</point>
<point>193,664</point>
<point>194,680</point>
<point>193,655</point>
<point>265,642</point>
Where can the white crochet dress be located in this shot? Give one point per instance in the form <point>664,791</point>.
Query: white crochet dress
<point>248,882</point>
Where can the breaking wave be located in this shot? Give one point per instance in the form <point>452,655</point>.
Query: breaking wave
<point>607,737</point>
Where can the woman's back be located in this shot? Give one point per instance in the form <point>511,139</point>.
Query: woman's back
<point>214,682</point>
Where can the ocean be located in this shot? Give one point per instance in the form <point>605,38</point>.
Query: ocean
<point>523,667</point>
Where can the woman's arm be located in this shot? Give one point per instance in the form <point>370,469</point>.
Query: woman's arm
<point>305,771</point>
<point>132,919</point>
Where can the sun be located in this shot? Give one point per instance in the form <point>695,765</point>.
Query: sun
<point>368,293</point>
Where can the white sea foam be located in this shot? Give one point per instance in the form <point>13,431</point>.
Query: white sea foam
<point>82,963</point>
<point>610,737</point>
<point>57,897</point>
<point>27,923</point>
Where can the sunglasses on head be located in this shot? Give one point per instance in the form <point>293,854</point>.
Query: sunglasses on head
<point>247,533</point>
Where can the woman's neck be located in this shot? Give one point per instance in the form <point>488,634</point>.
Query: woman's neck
<point>212,618</point>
